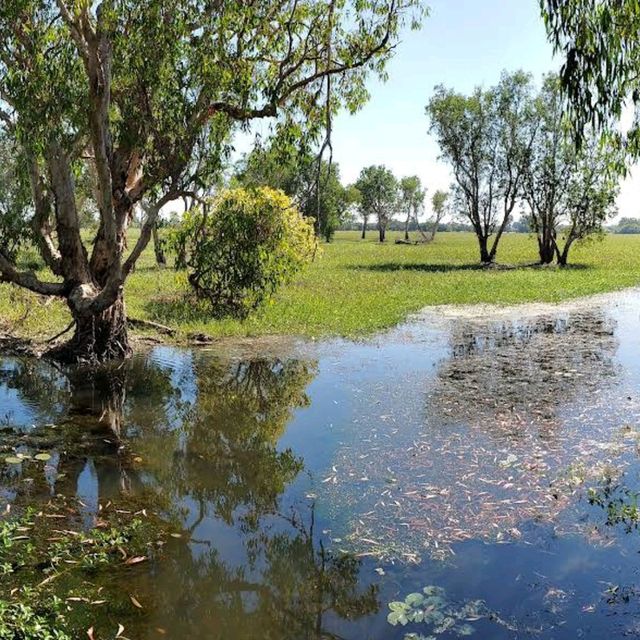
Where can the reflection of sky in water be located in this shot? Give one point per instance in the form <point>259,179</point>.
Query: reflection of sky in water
<point>88,492</point>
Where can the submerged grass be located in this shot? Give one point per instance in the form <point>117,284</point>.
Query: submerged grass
<point>358,287</point>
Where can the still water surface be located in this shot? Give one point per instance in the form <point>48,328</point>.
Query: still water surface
<point>487,458</point>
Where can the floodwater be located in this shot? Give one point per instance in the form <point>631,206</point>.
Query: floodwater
<point>472,472</point>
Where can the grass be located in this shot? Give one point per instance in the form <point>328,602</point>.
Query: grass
<point>359,287</point>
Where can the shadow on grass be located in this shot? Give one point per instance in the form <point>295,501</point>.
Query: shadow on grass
<point>389,267</point>
<point>429,268</point>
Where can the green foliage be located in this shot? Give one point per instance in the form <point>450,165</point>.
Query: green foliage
<point>249,244</point>
<point>412,195</point>
<point>627,226</point>
<point>599,42</point>
<point>43,573</point>
<point>565,187</point>
<point>316,190</point>
<point>439,203</point>
<point>14,198</point>
<point>378,190</point>
<point>22,621</point>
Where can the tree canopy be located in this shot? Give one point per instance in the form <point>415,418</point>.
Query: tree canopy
<point>599,42</point>
<point>411,200</point>
<point>570,191</point>
<point>313,183</point>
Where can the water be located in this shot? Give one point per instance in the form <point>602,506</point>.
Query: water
<point>488,458</point>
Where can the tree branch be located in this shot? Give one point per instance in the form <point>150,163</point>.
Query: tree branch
<point>152,217</point>
<point>40,221</point>
<point>28,280</point>
<point>74,28</point>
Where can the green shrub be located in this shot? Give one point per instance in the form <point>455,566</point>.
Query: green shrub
<point>243,246</point>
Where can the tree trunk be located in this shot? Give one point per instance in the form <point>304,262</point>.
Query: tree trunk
<point>406,228</point>
<point>563,256</point>
<point>381,231</point>
<point>434,230</point>
<point>98,337</point>
<point>485,255</point>
<point>547,251</point>
<point>158,247</point>
<point>364,229</point>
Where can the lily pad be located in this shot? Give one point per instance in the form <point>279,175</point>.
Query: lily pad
<point>43,457</point>
<point>13,460</point>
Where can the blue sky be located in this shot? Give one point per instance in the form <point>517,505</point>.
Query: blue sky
<point>463,43</point>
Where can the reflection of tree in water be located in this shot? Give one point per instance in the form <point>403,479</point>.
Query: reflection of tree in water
<point>224,454</point>
<point>87,407</point>
<point>220,452</point>
<point>38,385</point>
<point>523,371</point>
<point>292,588</point>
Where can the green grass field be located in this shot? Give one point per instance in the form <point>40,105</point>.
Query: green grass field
<point>358,287</point>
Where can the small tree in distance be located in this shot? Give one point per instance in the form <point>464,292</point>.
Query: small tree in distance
<point>378,189</point>
<point>439,204</point>
<point>412,196</point>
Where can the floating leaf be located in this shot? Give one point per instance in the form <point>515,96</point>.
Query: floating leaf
<point>397,617</point>
<point>13,460</point>
<point>43,457</point>
<point>135,602</point>
<point>414,599</point>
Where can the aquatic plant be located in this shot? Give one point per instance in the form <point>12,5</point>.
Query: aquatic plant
<point>431,607</point>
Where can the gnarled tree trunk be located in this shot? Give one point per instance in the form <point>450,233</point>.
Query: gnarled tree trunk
<point>98,337</point>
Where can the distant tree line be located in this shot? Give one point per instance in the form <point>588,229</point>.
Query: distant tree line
<point>626,226</point>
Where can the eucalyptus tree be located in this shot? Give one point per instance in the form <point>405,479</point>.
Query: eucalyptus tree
<point>486,138</point>
<point>412,196</point>
<point>149,92</point>
<point>570,191</point>
<point>378,189</point>
<point>601,74</point>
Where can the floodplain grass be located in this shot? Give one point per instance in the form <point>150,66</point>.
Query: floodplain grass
<point>355,287</point>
